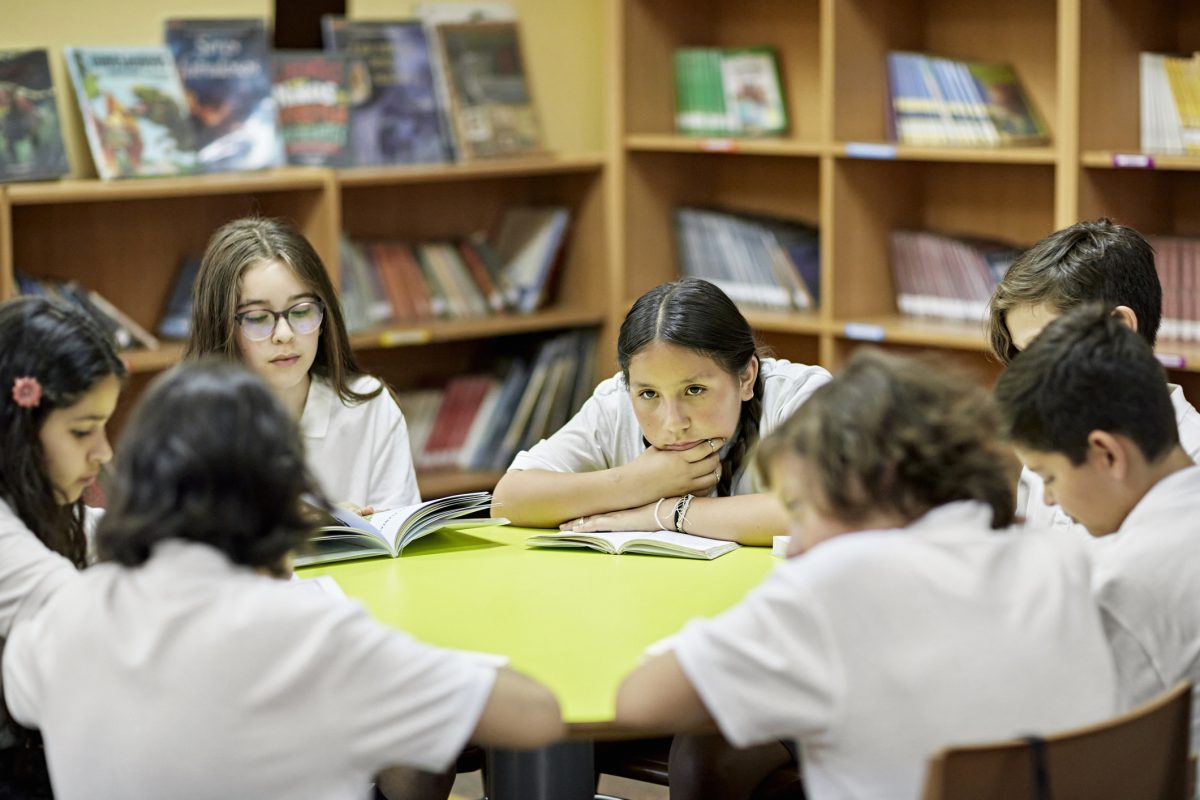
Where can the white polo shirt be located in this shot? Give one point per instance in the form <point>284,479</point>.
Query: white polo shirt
<point>1032,505</point>
<point>359,454</point>
<point>873,649</point>
<point>29,571</point>
<point>605,433</point>
<point>190,677</point>
<point>1147,580</point>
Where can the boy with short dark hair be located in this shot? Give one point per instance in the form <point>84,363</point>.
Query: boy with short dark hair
<point>1090,261</point>
<point>1087,409</point>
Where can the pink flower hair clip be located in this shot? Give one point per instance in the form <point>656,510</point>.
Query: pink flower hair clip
<point>27,392</point>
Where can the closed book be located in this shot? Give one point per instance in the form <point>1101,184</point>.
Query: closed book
<point>31,143</point>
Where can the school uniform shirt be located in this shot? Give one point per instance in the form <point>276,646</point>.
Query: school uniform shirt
<point>359,453</point>
<point>876,648</point>
<point>30,572</point>
<point>1147,581</point>
<point>1031,502</point>
<point>605,433</point>
<point>191,677</point>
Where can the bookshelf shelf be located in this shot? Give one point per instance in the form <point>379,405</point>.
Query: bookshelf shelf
<point>799,322</point>
<point>669,143</point>
<point>982,155</point>
<point>480,327</point>
<point>1104,159</point>
<point>470,171</point>
<point>904,330</point>
<point>91,190</point>
<point>147,361</point>
<point>447,482</point>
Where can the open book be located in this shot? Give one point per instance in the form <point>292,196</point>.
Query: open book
<point>342,535</point>
<point>652,543</point>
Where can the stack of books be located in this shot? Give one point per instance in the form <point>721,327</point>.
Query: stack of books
<point>728,92</point>
<point>1170,104</point>
<point>936,102</point>
<point>947,277</point>
<point>759,261</point>
<point>481,421</point>
<point>1178,261</point>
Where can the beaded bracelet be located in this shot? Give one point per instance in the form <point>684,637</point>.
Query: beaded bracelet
<point>681,511</point>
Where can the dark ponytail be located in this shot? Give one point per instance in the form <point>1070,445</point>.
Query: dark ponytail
<point>695,314</point>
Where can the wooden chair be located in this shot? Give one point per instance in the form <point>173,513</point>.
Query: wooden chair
<point>1141,754</point>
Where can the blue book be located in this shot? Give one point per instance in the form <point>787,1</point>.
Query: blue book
<point>177,320</point>
<point>225,69</point>
<point>398,119</point>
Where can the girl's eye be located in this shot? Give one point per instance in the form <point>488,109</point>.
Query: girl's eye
<point>694,391</point>
<point>256,317</point>
<point>647,394</point>
<point>81,434</point>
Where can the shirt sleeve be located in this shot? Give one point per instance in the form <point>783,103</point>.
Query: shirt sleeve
<point>1139,676</point>
<point>767,668</point>
<point>393,476</point>
<point>21,683</point>
<point>399,700</point>
<point>29,571</point>
<point>585,444</point>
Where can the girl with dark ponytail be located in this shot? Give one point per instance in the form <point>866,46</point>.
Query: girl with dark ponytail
<point>664,444</point>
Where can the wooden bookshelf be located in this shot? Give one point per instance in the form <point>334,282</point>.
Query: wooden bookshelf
<point>447,482</point>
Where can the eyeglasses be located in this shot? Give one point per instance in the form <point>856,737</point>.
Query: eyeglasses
<point>259,324</point>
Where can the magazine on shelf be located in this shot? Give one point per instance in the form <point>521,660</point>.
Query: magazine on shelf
<point>134,111</point>
<point>342,535</point>
<point>311,90</point>
<point>31,143</point>
<point>651,543</point>
<point>225,68</point>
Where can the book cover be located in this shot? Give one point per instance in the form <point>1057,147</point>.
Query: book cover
<point>31,144</point>
<point>134,111</point>
<point>225,69</point>
<point>491,104</point>
<point>1015,119</point>
<point>312,96</point>
<point>753,91</point>
<point>177,318</point>
<point>398,121</point>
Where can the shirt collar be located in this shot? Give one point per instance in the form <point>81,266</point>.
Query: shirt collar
<point>318,408</point>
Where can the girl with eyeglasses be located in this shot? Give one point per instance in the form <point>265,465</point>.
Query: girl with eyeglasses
<point>263,297</point>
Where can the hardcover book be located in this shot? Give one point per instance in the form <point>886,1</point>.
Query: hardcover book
<point>397,120</point>
<point>312,95</point>
<point>492,107</point>
<point>31,145</point>
<point>134,111</point>
<point>224,66</point>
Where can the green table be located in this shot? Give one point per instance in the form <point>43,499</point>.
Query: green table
<point>577,620</point>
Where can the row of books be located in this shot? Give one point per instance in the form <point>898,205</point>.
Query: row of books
<point>450,84</point>
<point>937,101</point>
<point>124,330</point>
<point>396,281</point>
<point>1178,261</point>
<point>1170,104</point>
<point>759,261</point>
<point>947,277</point>
<point>728,92</point>
<point>481,421</point>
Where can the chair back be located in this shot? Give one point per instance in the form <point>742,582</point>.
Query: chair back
<point>1141,754</point>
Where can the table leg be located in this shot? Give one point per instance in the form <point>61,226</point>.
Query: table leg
<point>563,771</point>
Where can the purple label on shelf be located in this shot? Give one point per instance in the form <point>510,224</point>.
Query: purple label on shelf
<point>1171,360</point>
<point>870,150</point>
<point>1133,160</point>
<point>864,332</point>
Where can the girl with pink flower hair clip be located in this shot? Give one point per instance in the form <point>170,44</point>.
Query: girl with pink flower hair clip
<point>59,382</point>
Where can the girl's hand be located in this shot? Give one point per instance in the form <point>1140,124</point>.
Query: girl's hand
<point>353,508</point>
<point>678,472</point>
<point>631,519</point>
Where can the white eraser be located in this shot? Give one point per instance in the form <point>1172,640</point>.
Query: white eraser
<point>779,546</point>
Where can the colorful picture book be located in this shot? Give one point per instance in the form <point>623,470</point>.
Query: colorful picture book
<point>759,261</point>
<point>312,95</point>
<point>31,144</point>
<point>649,543</point>
<point>343,535</point>
<point>937,102</point>
<point>1170,104</point>
<point>947,277</point>
<point>398,119</point>
<point>729,92</point>
<point>134,111</point>
<point>490,100</point>
<point>225,69</point>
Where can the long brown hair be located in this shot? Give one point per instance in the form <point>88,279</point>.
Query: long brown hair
<point>241,244</point>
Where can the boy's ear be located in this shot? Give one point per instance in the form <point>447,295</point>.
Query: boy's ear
<point>1109,454</point>
<point>1127,316</point>
<point>747,378</point>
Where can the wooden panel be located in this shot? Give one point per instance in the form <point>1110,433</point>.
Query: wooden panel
<point>976,364</point>
<point>793,347</point>
<point>863,32</point>
<point>1154,202</point>
<point>7,285</point>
